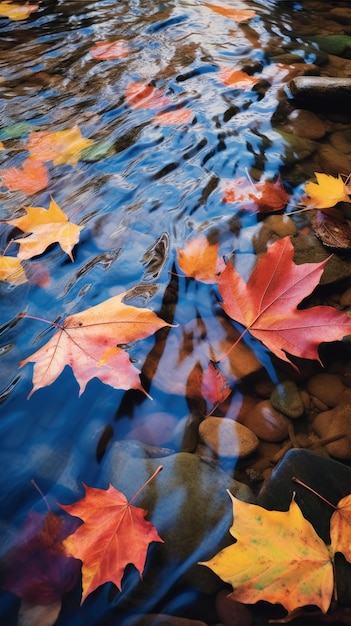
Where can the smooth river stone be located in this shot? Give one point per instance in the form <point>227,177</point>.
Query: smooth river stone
<point>227,438</point>
<point>326,387</point>
<point>287,399</point>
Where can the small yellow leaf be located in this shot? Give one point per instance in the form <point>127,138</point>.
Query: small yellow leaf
<point>63,146</point>
<point>11,270</point>
<point>326,192</point>
<point>16,11</point>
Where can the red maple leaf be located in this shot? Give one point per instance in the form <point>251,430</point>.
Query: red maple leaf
<point>267,304</point>
<point>265,197</point>
<point>114,534</point>
<point>106,50</point>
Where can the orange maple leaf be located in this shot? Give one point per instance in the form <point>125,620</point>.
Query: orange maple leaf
<point>11,270</point>
<point>82,341</point>
<point>179,116</point>
<point>32,177</point>
<point>265,197</point>
<point>199,259</point>
<point>109,50</point>
<point>140,95</point>
<point>239,15</point>
<point>237,78</point>
<point>46,226</point>
<point>267,304</point>
<point>340,527</point>
<point>114,533</point>
<point>63,146</point>
<point>16,11</point>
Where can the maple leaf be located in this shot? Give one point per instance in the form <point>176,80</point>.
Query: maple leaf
<point>46,226</point>
<point>63,146</point>
<point>114,533</point>
<point>266,305</point>
<point>16,11</point>
<point>38,569</point>
<point>278,557</point>
<point>11,270</point>
<point>340,527</point>
<point>239,15</point>
<point>32,177</point>
<point>106,50</point>
<point>215,387</point>
<point>326,192</point>
<point>331,228</point>
<point>82,340</point>
<point>237,78</point>
<point>265,197</point>
<point>140,95</point>
<point>199,259</point>
<point>179,116</point>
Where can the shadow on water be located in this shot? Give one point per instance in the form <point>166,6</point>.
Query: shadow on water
<point>146,188</point>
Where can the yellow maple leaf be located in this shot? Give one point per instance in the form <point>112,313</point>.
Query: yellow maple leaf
<point>63,146</point>
<point>278,557</point>
<point>16,11</point>
<point>326,192</point>
<point>11,270</point>
<point>46,226</point>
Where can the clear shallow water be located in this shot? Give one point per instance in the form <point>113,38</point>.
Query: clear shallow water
<point>157,186</point>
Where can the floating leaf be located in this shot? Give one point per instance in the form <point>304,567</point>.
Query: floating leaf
<point>326,192</point>
<point>11,270</point>
<point>265,197</point>
<point>16,11</point>
<point>140,95</point>
<point>340,527</point>
<point>239,15</point>
<point>98,151</point>
<point>179,116</point>
<point>46,226</point>
<point>14,131</point>
<point>237,78</point>
<point>32,177</point>
<point>63,146</point>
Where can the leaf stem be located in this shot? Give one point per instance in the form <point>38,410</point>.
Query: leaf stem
<point>157,471</point>
<point>41,493</point>
<point>40,319</point>
<point>299,482</point>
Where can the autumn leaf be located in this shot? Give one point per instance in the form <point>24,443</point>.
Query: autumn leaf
<point>11,270</point>
<point>140,95</point>
<point>46,226</point>
<point>82,340</point>
<point>265,197</point>
<point>106,50</point>
<point>16,11</point>
<point>199,259</point>
<point>214,387</point>
<point>267,304</point>
<point>37,569</point>
<point>237,78</point>
<point>278,557</point>
<point>340,527</point>
<point>114,534</point>
<point>30,178</point>
<point>179,116</point>
<point>63,146</point>
<point>332,228</point>
<point>326,192</point>
<point>239,15</point>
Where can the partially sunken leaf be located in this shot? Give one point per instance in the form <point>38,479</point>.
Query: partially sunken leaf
<point>11,270</point>
<point>267,304</point>
<point>326,192</point>
<point>199,259</point>
<point>63,146</point>
<point>237,78</point>
<point>140,95</point>
<point>179,116</point>
<point>278,557</point>
<point>215,387</point>
<point>265,197</point>
<point>30,178</point>
<point>114,534</point>
<point>105,50</point>
<point>331,228</point>
<point>239,15</point>
<point>16,11</point>
<point>46,226</point>
<point>82,341</point>
<point>340,528</point>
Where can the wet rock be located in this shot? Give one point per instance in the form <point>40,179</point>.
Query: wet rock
<point>297,148</point>
<point>227,438</point>
<point>330,478</point>
<point>345,299</point>
<point>286,398</point>
<point>231,612</point>
<point>333,161</point>
<point>188,504</point>
<point>305,123</point>
<point>267,423</point>
<point>319,87</point>
<point>153,619</point>
<point>326,387</point>
<point>273,227</point>
<point>308,249</point>
<point>156,429</point>
<point>332,423</point>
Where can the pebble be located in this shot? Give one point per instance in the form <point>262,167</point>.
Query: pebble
<point>305,123</point>
<point>335,422</point>
<point>326,387</point>
<point>267,423</point>
<point>345,299</point>
<point>231,612</point>
<point>333,161</point>
<point>227,438</point>
<point>286,398</point>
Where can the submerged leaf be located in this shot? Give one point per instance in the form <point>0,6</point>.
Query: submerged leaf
<point>239,15</point>
<point>199,259</point>
<point>106,50</point>
<point>32,177</point>
<point>16,11</point>
<point>237,78</point>
<point>278,557</point>
<point>331,228</point>
<point>63,146</point>
<point>11,270</point>
<point>140,95</point>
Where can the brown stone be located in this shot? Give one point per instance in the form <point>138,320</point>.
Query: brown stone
<point>332,423</point>
<point>326,387</point>
<point>227,438</point>
<point>305,123</point>
<point>267,423</point>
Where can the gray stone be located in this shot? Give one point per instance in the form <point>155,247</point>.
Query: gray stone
<point>286,398</point>
<point>320,87</point>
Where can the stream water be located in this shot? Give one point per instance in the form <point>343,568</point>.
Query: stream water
<point>152,183</point>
